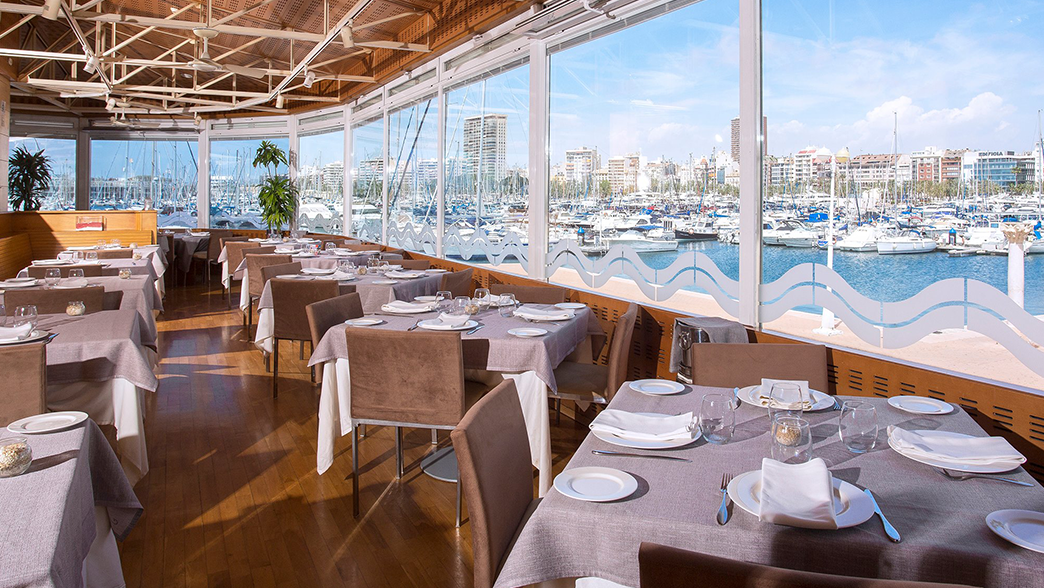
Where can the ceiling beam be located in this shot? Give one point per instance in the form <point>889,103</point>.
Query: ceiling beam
<point>69,85</point>
<point>112,50</point>
<point>240,13</point>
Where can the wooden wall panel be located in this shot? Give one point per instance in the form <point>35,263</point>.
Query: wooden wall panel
<point>15,253</point>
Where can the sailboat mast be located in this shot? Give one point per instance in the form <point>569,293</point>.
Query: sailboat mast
<point>895,160</point>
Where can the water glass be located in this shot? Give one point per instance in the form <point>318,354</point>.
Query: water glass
<point>100,244</point>
<point>482,298</point>
<point>92,256</point>
<point>115,243</point>
<point>383,267</point>
<point>791,439</point>
<point>858,425</point>
<point>330,246</point>
<point>460,304</point>
<point>75,273</point>
<point>77,256</point>
<point>444,301</point>
<point>717,418</point>
<point>25,315</point>
<point>3,315</point>
<point>373,262</point>
<point>786,399</point>
<point>52,277</point>
<point>507,305</point>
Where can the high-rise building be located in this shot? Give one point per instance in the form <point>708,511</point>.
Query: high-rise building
<point>333,176</point>
<point>736,140</point>
<point>927,164</point>
<point>485,147</point>
<point>580,164</point>
<point>1004,168</point>
<point>623,173</point>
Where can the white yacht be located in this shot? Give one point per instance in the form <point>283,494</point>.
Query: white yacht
<point>802,237</point>
<point>645,239</point>
<point>908,242</point>
<point>774,230</point>
<point>863,238</point>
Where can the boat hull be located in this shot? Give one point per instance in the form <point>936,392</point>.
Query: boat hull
<point>904,247</point>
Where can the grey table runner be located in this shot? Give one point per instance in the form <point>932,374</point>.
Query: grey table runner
<point>48,512</point>
<point>492,348</point>
<point>945,538</point>
<point>373,295</point>
<point>720,330</point>
<point>97,347</point>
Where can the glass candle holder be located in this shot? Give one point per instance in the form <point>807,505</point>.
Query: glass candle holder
<point>125,273</point>
<point>76,308</point>
<point>15,456</point>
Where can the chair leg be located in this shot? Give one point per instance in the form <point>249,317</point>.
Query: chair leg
<point>398,452</point>
<point>275,367</point>
<point>355,471</point>
<point>362,431</point>
<point>558,411</point>
<point>434,436</point>
<point>300,352</point>
<point>458,498</point>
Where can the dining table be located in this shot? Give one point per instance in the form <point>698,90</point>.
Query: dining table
<point>136,267</point>
<point>491,352</point>
<point>185,246</point>
<point>62,517</point>
<point>228,274</point>
<point>96,364</point>
<point>945,537</point>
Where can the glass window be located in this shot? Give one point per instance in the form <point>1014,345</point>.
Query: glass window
<point>235,182</point>
<point>413,176</point>
<point>61,195</point>
<point>642,171</point>
<point>320,179</point>
<point>487,171</point>
<point>367,180</point>
<point>146,175</point>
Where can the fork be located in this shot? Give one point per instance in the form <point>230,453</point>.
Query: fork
<point>837,405</point>
<point>415,325</point>
<point>964,476</point>
<point>723,510</point>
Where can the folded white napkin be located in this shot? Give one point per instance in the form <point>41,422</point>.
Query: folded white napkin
<point>403,275</point>
<point>967,450</point>
<point>546,314</point>
<point>65,255</point>
<point>798,495</point>
<point>8,333</point>
<point>766,389</point>
<point>404,306</point>
<point>641,427</point>
<point>316,271</point>
<point>285,250</point>
<point>452,320</point>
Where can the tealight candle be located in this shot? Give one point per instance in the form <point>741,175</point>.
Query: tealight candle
<point>125,273</point>
<point>15,456</point>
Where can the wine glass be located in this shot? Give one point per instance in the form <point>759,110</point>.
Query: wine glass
<point>717,418</point>
<point>25,315</point>
<point>858,426</point>
<point>507,305</point>
<point>787,399</point>
<point>52,276</point>
<point>791,439</point>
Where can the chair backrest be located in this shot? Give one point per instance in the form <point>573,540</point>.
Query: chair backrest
<point>620,349</point>
<point>280,269</point>
<point>216,242</point>
<point>336,242</point>
<point>457,282</point>
<point>406,377</point>
<point>289,299</point>
<point>352,242</point>
<point>331,312</point>
<point>115,253</point>
<point>90,270</point>
<point>745,364</point>
<point>414,264</point>
<point>55,301</point>
<point>360,246</point>
<point>236,250</point>
<point>531,294</point>
<point>660,566</point>
<point>496,475</point>
<point>254,264</point>
<point>23,369</point>
<point>388,253</point>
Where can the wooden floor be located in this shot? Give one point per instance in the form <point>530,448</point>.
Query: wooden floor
<point>232,497</point>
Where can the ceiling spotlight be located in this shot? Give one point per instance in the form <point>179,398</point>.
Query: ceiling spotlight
<point>279,100</point>
<point>110,104</point>
<point>309,79</point>
<point>50,9</point>
<point>92,64</point>
<point>198,119</point>
<point>346,38</point>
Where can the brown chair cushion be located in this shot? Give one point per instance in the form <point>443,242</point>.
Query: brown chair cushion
<point>531,294</point>
<point>360,246</point>
<point>23,370</point>
<point>236,250</point>
<point>457,282</point>
<point>331,312</point>
<point>620,350</point>
<point>744,364</point>
<point>115,253</point>
<point>217,238</point>
<point>584,381</point>
<point>289,299</point>
<point>406,377</point>
<point>90,270</point>
<point>54,301</point>
<point>496,475</point>
<point>280,269</point>
<point>256,261</point>
<point>669,567</point>
<point>414,264</point>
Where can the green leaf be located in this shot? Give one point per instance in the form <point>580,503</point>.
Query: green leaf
<point>29,175</point>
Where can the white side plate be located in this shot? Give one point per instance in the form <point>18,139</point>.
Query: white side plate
<point>993,468</point>
<point>920,405</point>
<point>570,305</point>
<point>1024,528</point>
<point>384,282</point>
<point>317,271</point>
<point>527,332</point>
<point>18,283</point>
<point>47,422</point>
<point>657,387</point>
<point>36,335</point>
<point>425,299</point>
<point>363,322</point>
<point>595,484</point>
<point>851,506</point>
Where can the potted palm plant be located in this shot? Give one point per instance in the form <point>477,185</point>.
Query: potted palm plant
<point>278,195</point>
<point>29,175</point>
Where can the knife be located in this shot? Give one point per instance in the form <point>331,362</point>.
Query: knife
<point>624,454</point>
<point>888,528</point>
<point>473,331</point>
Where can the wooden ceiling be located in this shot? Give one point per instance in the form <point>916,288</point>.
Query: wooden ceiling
<point>260,53</point>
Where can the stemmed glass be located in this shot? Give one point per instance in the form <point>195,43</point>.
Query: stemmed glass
<point>52,277</point>
<point>717,418</point>
<point>786,399</point>
<point>858,426</point>
<point>25,315</point>
<point>507,305</point>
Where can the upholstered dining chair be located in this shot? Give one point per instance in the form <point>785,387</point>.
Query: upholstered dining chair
<point>328,313</point>
<point>414,264</point>
<point>457,282</point>
<point>743,364</point>
<point>255,260</point>
<point>235,251</point>
<point>55,301</point>
<point>280,269</point>
<point>290,322</point>
<point>596,383</point>
<point>208,257</point>
<point>406,379</point>
<point>115,253</point>
<point>660,566</point>
<point>23,369</point>
<point>90,270</point>
<point>531,294</point>
<point>496,473</point>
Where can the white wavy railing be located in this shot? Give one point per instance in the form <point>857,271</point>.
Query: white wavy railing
<point>479,245</point>
<point>954,303</point>
<point>689,269</point>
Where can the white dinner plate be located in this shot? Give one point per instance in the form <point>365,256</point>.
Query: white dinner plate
<point>52,262</point>
<point>851,506</point>
<point>570,305</point>
<point>304,255</point>
<point>822,401</point>
<point>657,387</point>
<point>621,441</point>
<point>436,325</point>
<point>47,422</point>
<point>384,282</point>
<point>419,309</point>
<point>920,405</point>
<point>317,271</point>
<point>36,335</point>
<point>424,298</point>
<point>82,248</point>
<point>294,277</point>
<point>993,468</point>
<point>436,270</point>
<point>363,322</point>
<point>1024,528</point>
<point>595,484</point>
<point>68,287</point>
<point>525,332</point>
<point>14,283</point>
